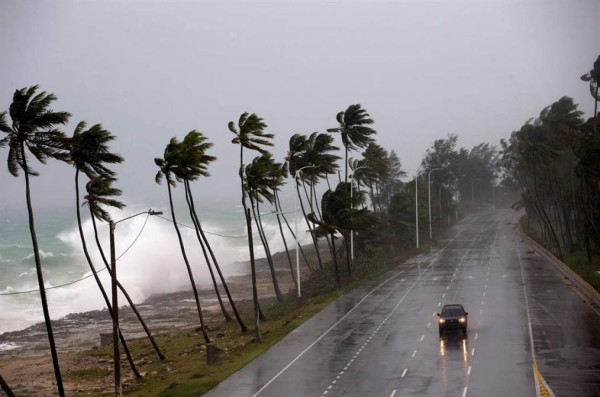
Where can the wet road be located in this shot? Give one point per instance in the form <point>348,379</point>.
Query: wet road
<point>382,340</point>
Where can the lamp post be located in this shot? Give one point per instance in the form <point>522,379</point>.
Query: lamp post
<point>429,196</point>
<point>296,227</point>
<point>351,206</point>
<point>417,206</point>
<point>115,304</point>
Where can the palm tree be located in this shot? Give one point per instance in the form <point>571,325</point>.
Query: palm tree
<point>593,76</point>
<point>260,180</point>
<point>88,151</point>
<point>34,126</point>
<point>193,164</point>
<point>250,134</point>
<point>6,388</point>
<point>355,131</point>
<point>167,166</point>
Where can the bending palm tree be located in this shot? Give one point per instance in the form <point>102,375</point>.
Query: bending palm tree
<point>100,193</point>
<point>355,131</point>
<point>167,165</point>
<point>34,126</point>
<point>193,161</point>
<point>88,151</point>
<point>250,134</point>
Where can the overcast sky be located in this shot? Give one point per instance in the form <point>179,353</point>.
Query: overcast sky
<point>150,70</point>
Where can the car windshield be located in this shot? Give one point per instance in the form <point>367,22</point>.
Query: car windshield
<point>452,312</point>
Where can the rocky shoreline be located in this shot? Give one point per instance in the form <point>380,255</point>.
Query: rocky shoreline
<point>25,359</point>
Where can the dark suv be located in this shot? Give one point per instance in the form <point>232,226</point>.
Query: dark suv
<point>453,317</point>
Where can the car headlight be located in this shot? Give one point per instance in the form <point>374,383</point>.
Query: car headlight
<point>462,319</point>
<point>442,321</point>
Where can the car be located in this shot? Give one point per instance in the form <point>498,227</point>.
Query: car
<point>453,316</point>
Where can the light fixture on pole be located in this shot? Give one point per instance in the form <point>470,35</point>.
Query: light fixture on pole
<point>351,206</point>
<point>296,227</point>
<point>115,302</point>
<point>429,195</point>
<point>417,206</point>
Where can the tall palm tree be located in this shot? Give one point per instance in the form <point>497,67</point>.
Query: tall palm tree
<point>6,388</point>
<point>193,164</point>
<point>35,127</point>
<point>250,134</point>
<point>88,151</point>
<point>355,131</point>
<point>593,76</point>
<point>260,177</point>
<point>167,164</point>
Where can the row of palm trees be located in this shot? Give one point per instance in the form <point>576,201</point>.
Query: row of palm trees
<point>553,161</point>
<point>35,130</point>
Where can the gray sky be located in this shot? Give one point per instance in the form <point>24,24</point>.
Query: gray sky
<point>151,70</point>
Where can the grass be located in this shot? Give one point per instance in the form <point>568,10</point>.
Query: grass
<point>577,261</point>
<point>185,373</point>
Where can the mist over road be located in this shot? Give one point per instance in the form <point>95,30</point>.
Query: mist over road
<point>382,340</point>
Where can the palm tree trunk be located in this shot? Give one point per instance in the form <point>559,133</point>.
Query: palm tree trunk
<point>257,314</point>
<point>208,264</point>
<point>189,269</point>
<point>314,238</point>
<point>346,164</point>
<point>40,277</point>
<point>335,263</point>
<point>294,235</point>
<point>5,387</point>
<point>313,192</point>
<point>347,243</point>
<point>243,327</point>
<point>287,251</point>
<point>125,293</point>
<point>265,243</point>
<point>95,274</point>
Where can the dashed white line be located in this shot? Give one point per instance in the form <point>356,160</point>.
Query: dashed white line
<point>422,337</point>
<point>434,313</point>
<point>428,324</point>
<point>439,304</point>
<point>444,295</point>
<point>414,353</point>
<point>469,370</point>
<point>476,335</point>
<point>404,372</point>
<point>464,392</point>
<point>393,393</point>
<point>473,352</point>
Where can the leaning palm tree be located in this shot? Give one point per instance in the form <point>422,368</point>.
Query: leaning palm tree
<point>355,131</point>
<point>35,127</point>
<point>88,152</point>
<point>250,134</point>
<point>100,193</point>
<point>593,76</point>
<point>261,176</point>
<point>166,166</point>
<point>6,388</point>
<point>192,164</point>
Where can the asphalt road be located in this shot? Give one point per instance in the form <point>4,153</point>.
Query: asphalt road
<point>382,340</point>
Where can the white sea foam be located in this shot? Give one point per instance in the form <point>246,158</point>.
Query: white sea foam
<point>152,265</point>
<point>9,346</point>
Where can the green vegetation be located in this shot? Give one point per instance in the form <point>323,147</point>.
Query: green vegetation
<point>577,261</point>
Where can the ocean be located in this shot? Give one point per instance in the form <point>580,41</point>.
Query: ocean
<point>150,260</point>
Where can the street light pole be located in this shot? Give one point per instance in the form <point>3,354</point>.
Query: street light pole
<point>351,207</point>
<point>417,207</point>
<point>429,195</point>
<point>296,227</point>
<point>115,299</point>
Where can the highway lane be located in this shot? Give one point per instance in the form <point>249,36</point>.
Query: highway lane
<point>382,340</point>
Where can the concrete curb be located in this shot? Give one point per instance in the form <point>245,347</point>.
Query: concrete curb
<point>585,289</point>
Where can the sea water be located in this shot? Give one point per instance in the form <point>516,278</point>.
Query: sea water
<point>147,248</point>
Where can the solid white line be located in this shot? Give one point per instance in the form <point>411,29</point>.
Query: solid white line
<point>393,393</point>
<point>404,372</point>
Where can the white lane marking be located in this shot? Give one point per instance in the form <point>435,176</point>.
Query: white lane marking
<point>484,294</point>
<point>335,325</point>
<point>476,335</point>
<point>404,372</point>
<point>439,304</point>
<point>473,352</point>
<point>334,381</point>
<point>434,313</point>
<point>464,392</point>
<point>393,393</point>
<point>428,324</point>
<point>469,370</point>
<point>444,295</point>
<point>422,337</point>
<point>325,392</point>
<point>414,353</point>
<point>447,287</point>
<point>482,302</point>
